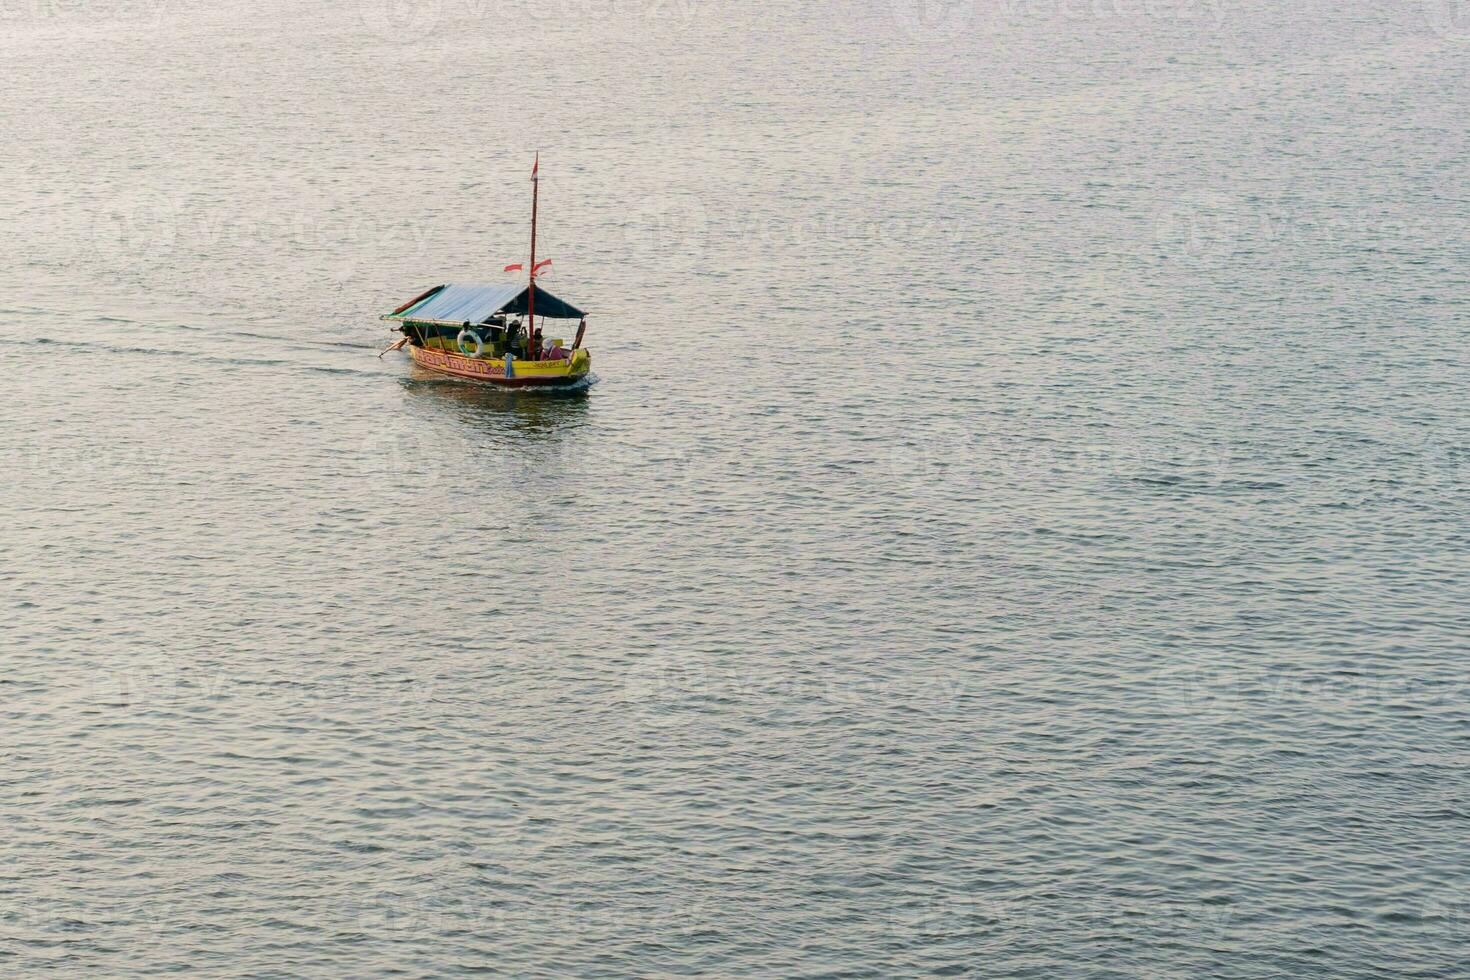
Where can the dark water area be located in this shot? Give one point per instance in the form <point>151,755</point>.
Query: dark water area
<point>1018,527</point>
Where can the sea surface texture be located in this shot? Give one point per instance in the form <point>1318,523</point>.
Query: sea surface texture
<point>1018,526</point>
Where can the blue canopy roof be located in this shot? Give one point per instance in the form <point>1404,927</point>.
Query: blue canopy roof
<point>478,301</point>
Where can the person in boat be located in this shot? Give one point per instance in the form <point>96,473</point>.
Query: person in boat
<point>555,352</point>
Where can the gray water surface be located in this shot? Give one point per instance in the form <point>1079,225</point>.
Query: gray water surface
<point>1018,527</point>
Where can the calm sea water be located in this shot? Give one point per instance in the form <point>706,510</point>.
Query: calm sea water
<point>1018,527</point>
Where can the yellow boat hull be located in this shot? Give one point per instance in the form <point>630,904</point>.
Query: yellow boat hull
<point>522,374</point>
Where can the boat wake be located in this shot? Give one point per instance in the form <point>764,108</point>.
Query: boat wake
<point>195,355</point>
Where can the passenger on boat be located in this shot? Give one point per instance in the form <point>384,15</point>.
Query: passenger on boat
<point>555,352</point>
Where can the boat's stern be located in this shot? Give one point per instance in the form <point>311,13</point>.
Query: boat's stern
<point>581,364</point>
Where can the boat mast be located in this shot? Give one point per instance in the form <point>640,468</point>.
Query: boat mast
<point>531,288</point>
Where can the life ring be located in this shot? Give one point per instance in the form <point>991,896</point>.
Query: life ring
<point>479,344</point>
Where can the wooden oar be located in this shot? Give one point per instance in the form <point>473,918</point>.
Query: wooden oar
<point>394,347</point>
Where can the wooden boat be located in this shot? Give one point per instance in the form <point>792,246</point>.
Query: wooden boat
<point>474,331</point>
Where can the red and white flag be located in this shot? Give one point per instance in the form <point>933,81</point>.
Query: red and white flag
<point>540,265</point>
<point>513,268</point>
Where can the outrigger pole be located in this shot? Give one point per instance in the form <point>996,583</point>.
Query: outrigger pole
<point>531,289</point>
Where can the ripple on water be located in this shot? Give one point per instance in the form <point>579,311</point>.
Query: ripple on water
<point>1099,613</point>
